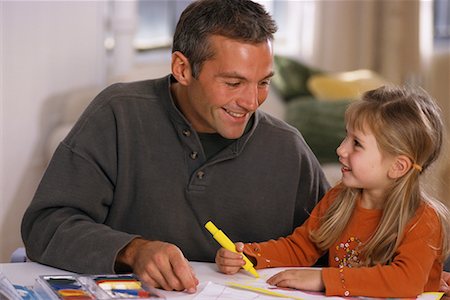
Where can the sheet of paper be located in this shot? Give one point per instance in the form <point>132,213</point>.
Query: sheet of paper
<point>213,291</point>
<point>257,288</point>
<point>430,296</point>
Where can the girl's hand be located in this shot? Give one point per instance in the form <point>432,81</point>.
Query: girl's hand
<point>445,285</point>
<point>230,262</point>
<point>301,279</point>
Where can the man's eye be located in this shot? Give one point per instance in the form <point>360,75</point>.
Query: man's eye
<point>264,83</point>
<point>233,84</point>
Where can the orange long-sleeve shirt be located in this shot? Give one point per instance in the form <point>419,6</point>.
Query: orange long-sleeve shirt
<point>415,268</point>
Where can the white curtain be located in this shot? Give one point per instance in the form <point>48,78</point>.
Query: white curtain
<point>353,34</point>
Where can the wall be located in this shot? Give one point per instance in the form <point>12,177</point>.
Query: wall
<point>47,47</point>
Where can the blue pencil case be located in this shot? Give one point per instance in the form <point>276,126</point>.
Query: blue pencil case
<point>92,287</point>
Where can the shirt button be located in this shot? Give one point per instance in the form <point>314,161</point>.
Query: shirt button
<point>200,174</point>
<point>186,132</point>
<point>194,155</point>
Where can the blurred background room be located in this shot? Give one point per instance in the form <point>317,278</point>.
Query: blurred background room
<point>57,55</point>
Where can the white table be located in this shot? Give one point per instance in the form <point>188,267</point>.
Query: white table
<point>26,273</point>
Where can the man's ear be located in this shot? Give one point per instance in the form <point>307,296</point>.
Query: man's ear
<point>402,164</point>
<point>181,68</point>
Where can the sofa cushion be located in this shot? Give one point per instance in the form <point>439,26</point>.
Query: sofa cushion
<point>291,76</point>
<point>321,124</point>
<point>343,85</point>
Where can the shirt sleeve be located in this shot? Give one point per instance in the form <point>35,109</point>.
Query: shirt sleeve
<point>412,271</point>
<point>296,249</point>
<point>64,224</point>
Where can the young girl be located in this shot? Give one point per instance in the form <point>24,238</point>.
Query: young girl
<point>384,236</point>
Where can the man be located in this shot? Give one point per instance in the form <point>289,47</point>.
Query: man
<point>149,163</point>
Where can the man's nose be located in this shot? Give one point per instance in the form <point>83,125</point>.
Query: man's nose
<point>250,98</point>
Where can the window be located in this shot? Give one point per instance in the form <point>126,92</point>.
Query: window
<point>157,20</point>
<point>441,20</point>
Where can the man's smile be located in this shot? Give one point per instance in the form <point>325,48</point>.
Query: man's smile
<point>235,114</point>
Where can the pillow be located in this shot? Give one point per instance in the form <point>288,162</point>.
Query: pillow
<point>343,85</point>
<point>291,77</point>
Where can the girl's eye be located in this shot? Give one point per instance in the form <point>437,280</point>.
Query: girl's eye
<point>357,143</point>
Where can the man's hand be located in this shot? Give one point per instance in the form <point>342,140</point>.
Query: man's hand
<point>159,264</point>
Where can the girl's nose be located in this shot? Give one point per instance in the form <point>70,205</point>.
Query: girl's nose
<point>340,151</point>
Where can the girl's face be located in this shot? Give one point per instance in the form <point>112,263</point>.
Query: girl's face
<point>363,164</point>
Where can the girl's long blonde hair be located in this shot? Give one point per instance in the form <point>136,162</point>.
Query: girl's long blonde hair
<point>404,122</point>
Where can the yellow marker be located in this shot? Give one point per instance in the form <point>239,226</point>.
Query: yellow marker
<point>225,242</point>
<point>262,290</point>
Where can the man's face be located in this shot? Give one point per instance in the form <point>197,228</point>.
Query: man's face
<point>230,87</point>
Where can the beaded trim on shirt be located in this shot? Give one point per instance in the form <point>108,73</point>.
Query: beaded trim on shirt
<point>351,255</point>
<point>350,258</point>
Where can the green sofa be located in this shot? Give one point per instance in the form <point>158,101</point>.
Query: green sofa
<point>320,122</point>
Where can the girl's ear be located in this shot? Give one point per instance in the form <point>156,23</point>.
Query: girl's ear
<point>181,69</point>
<point>402,164</point>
